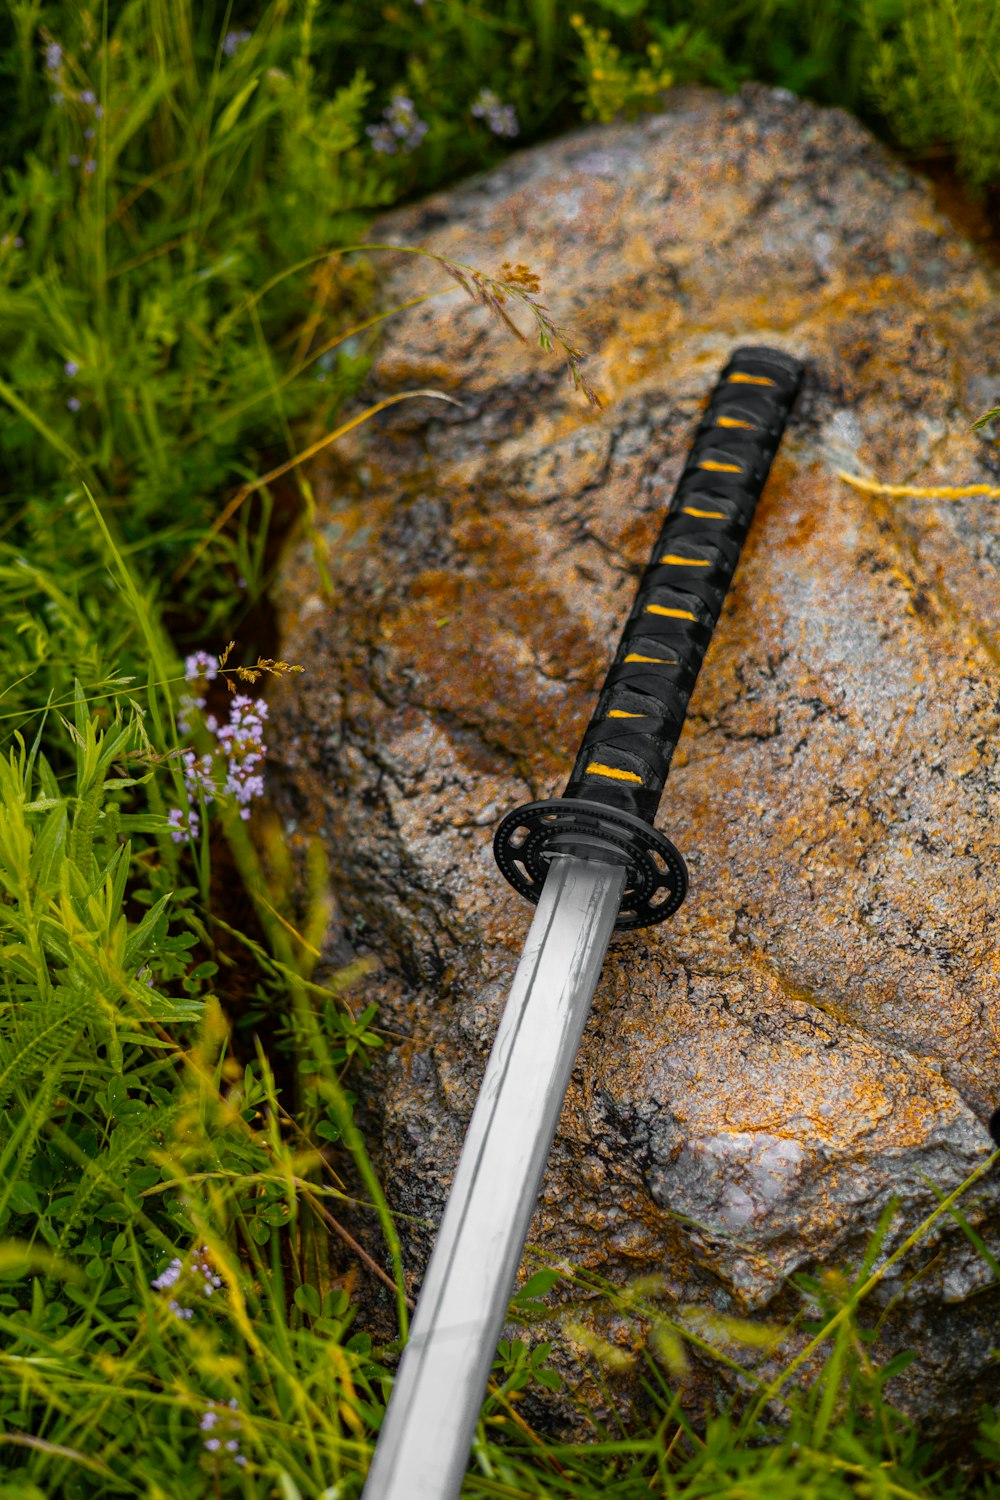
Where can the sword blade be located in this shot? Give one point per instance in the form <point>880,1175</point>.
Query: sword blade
<point>423,1447</point>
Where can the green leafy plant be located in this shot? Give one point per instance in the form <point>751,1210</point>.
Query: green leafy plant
<point>934,78</point>
<point>614,83</point>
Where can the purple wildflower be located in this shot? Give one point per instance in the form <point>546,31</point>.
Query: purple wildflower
<point>74,160</point>
<point>185,708</point>
<point>88,97</point>
<point>74,403</point>
<point>382,139</point>
<point>200,667</point>
<point>71,368</point>
<point>198,776</point>
<point>187,1280</point>
<point>53,57</point>
<point>233,41</point>
<point>224,1420</point>
<point>168,1277</point>
<point>184,827</point>
<point>401,128</point>
<point>501,118</point>
<point>90,166</point>
<point>165,1281</point>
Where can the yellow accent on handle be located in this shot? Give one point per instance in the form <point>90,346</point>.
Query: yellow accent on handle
<point>619,713</point>
<point>596,769</point>
<point>657,660</point>
<point>709,463</point>
<point>685,562</point>
<point>740,379</point>
<point>709,515</point>
<point>733,422</point>
<point>673,614</point>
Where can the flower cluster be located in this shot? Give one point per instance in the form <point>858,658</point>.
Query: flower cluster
<point>56,73</point>
<point>199,669</point>
<point>401,130</point>
<point>186,1279</point>
<point>500,117</point>
<point>234,769</point>
<point>223,1424</point>
<point>242,741</point>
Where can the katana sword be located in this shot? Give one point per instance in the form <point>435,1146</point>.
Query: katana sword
<point>593,862</point>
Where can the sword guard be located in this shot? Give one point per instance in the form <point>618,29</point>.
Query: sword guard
<point>530,836</point>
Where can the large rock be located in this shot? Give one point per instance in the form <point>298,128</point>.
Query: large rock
<point>817,1031</point>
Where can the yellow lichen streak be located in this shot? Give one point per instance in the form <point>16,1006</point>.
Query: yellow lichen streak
<point>717,468</point>
<point>620,713</point>
<point>708,515</point>
<point>738,378</point>
<point>658,661</point>
<point>597,769</point>
<point>734,422</point>
<point>685,562</point>
<point>672,614</point>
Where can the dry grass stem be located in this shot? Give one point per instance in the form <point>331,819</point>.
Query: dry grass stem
<point>520,284</point>
<point>921,492</point>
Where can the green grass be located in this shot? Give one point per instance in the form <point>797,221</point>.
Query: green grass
<point>181,319</point>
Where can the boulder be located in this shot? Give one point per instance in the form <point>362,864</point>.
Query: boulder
<point>817,1031</point>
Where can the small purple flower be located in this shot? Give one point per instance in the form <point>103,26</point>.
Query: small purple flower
<point>168,1277</point>
<point>233,41</point>
<point>71,368</point>
<point>501,118</point>
<point>200,667</point>
<point>90,166</point>
<point>74,403</point>
<point>382,139</point>
<point>74,160</point>
<point>88,97</point>
<point>198,775</point>
<point>183,826</point>
<point>225,1420</point>
<point>402,128</point>
<point>53,57</point>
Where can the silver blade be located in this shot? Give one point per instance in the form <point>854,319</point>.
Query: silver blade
<point>423,1448</point>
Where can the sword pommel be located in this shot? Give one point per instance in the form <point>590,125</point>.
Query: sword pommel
<point>614,790</point>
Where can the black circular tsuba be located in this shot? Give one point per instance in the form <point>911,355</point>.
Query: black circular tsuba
<point>529,836</point>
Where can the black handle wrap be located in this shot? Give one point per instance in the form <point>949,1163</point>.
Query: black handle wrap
<point>611,799</point>
<point>627,748</point>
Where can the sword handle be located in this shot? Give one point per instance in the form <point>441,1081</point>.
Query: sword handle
<point>619,774</point>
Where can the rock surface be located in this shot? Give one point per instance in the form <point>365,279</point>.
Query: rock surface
<point>818,1029</point>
